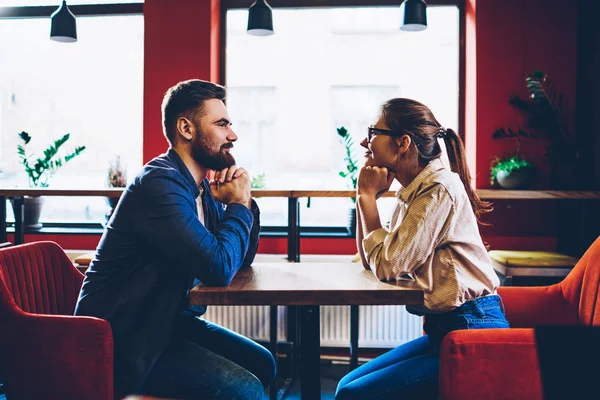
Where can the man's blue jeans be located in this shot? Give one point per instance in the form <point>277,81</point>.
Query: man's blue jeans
<point>410,371</point>
<point>207,361</point>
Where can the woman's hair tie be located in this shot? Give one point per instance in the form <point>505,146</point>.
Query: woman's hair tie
<point>442,133</point>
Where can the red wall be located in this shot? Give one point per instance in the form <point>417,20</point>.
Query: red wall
<point>179,42</point>
<point>505,40</point>
<point>515,37</point>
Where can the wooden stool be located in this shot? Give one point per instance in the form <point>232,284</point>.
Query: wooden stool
<point>516,267</point>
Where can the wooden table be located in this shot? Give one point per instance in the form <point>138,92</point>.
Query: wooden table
<point>308,285</point>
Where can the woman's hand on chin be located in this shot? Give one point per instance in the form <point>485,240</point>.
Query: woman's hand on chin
<point>374,181</point>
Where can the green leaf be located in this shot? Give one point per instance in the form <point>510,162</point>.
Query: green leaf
<point>44,167</point>
<point>258,182</point>
<point>25,137</point>
<point>350,157</point>
<point>342,132</point>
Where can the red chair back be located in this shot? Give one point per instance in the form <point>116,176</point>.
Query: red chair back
<point>582,286</point>
<point>39,278</point>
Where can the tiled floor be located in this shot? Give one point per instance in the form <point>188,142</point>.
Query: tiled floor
<point>331,373</point>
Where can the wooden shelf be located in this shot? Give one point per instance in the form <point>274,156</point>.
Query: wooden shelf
<point>486,194</point>
<point>492,194</point>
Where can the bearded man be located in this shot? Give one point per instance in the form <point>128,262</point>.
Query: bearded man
<point>172,229</point>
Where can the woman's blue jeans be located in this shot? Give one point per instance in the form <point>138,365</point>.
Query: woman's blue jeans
<point>207,361</point>
<point>410,371</point>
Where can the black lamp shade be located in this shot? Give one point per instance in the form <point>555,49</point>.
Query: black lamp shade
<point>415,15</point>
<point>260,19</point>
<point>63,27</point>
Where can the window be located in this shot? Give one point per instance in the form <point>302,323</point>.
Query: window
<point>329,67</point>
<point>92,89</point>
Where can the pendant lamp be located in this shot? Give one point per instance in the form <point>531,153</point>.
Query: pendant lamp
<point>63,26</point>
<point>260,19</point>
<point>415,15</point>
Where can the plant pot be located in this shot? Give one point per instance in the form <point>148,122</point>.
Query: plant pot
<point>31,211</point>
<point>516,179</point>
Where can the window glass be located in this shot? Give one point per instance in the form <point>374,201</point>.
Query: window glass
<point>92,89</point>
<point>330,67</point>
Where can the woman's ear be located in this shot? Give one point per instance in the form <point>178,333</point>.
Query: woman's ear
<point>403,143</point>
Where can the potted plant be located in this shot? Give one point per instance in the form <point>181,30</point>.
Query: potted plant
<point>258,181</point>
<point>39,170</point>
<point>513,172</point>
<point>350,172</point>
<point>116,177</point>
<point>543,110</point>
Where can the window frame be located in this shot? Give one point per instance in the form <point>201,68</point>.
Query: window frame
<point>87,10</point>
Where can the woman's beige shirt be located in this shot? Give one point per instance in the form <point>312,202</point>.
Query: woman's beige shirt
<point>434,239</point>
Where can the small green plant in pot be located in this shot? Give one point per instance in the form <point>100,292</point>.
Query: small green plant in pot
<point>350,172</point>
<point>40,169</point>
<point>513,172</point>
<point>259,181</point>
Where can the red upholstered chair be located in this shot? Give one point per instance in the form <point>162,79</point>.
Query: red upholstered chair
<point>45,351</point>
<point>503,363</point>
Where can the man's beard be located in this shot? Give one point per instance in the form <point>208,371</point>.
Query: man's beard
<point>205,156</point>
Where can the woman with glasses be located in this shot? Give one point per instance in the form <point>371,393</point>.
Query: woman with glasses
<point>432,238</point>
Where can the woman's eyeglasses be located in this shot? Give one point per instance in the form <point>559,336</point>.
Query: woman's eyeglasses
<point>372,131</point>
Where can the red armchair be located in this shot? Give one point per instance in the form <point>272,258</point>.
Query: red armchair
<point>503,363</point>
<point>45,351</point>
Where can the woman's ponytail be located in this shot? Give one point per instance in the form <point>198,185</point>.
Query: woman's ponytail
<point>458,163</point>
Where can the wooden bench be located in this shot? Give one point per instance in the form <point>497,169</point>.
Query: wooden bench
<point>517,267</point>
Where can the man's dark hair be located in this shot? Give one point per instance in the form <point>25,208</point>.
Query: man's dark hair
<point>186,99</point>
